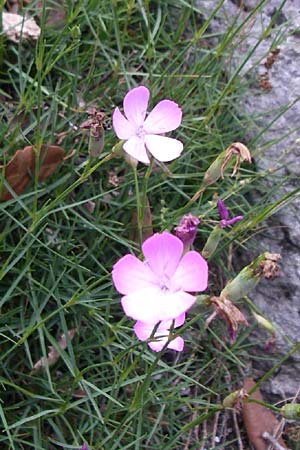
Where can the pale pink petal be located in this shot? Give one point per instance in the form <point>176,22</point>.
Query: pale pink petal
<point>176,344</point>
<point>166,116</point>
<point>163,252</point>
<point>122,127</point>
<point>130,274</point>
<point>153,305</point>
<point>191,274</point>
<point>143,330</point>
<point>135,105</point>
<point>163,148</point>
<point>135,147</point>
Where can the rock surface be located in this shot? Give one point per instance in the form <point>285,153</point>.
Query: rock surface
<point>278,76</point>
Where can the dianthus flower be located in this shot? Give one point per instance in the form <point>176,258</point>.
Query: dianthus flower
<point>224,215</point>
<point>186,230</point>
<point>143,134</point>
<point>159,288</point>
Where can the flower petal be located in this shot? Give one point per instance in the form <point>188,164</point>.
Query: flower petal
<point>163,252</point>
<point>191,274</point>
<point>163,148</point>
<point>122,127</point>
<point>135,147</point>
<point>176,344</point>
<point>166,116</point>
<point>152,305</point>
<point>130,274</point>
<point>135,105</point>
<point>144,330</point>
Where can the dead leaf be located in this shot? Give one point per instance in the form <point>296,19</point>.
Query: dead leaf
<point>53,354</point>
<point>147,229</point>
<point>15,26</point>
<point>55,12</point>
<point>20,169</point>
<point>258,419</point>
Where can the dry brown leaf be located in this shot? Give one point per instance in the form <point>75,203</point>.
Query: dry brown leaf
<point>15,26</point>
<point>53,354</point>
<point>258,419</point>
<point>20,169</point>
<point>147,229</point>
<point>55,12</point>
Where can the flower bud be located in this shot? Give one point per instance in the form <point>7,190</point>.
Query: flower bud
<point>291,411</point>
<point>234,398</point>
<point>265,323</point>
<point>213,173</point>
<point>212,242</point>
<point>186,230</point>
<point>250,275</point>
<point>95,126</point>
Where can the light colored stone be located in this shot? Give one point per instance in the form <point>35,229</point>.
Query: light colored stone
<point>279,300</point>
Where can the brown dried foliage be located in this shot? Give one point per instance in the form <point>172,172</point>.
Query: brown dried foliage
<point>21,168</point>
<point>258,419</point>
<point>269,267</point>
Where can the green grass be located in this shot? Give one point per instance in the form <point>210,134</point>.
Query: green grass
<point>107,389</point>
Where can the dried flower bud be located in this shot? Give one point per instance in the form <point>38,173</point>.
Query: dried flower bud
<point>269,267</point>
<point>230,313</point>
<point>186,229</point>
<point>291,411</point>
<point>233,400</point>
<point>242,154</point>
<point>212,242</point>
<point>95,124</point>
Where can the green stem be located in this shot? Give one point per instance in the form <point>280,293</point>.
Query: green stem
<point>139,208</point>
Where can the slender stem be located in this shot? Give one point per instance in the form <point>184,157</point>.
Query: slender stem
<point>139,208</point>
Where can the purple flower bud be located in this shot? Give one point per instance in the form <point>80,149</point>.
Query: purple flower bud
<point>224,215</point>
<point>84,447</point>
<point>186,229</point>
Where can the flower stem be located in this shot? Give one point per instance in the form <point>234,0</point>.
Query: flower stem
<point>139,208</point>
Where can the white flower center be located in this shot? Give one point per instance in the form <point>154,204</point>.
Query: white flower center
<point>140,132</point>
<point>164,284</point>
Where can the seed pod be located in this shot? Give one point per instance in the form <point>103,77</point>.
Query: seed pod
<point>212,242</point>
<point>291,411</point>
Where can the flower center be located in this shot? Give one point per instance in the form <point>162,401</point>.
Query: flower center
<point>164,283</point>
<point>140,132</point>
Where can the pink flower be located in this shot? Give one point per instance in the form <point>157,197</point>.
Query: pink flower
<point>224,215</point>
<point>143,134</point>
<point>159,289</point>
<point>186,230</point>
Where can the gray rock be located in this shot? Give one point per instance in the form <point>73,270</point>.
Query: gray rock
<point>279,300</point>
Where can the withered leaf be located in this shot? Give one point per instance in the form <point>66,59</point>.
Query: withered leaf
<point>258,419</point>
<point>53,354</point>
<point>20,169</point>
<point>55,12</point>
